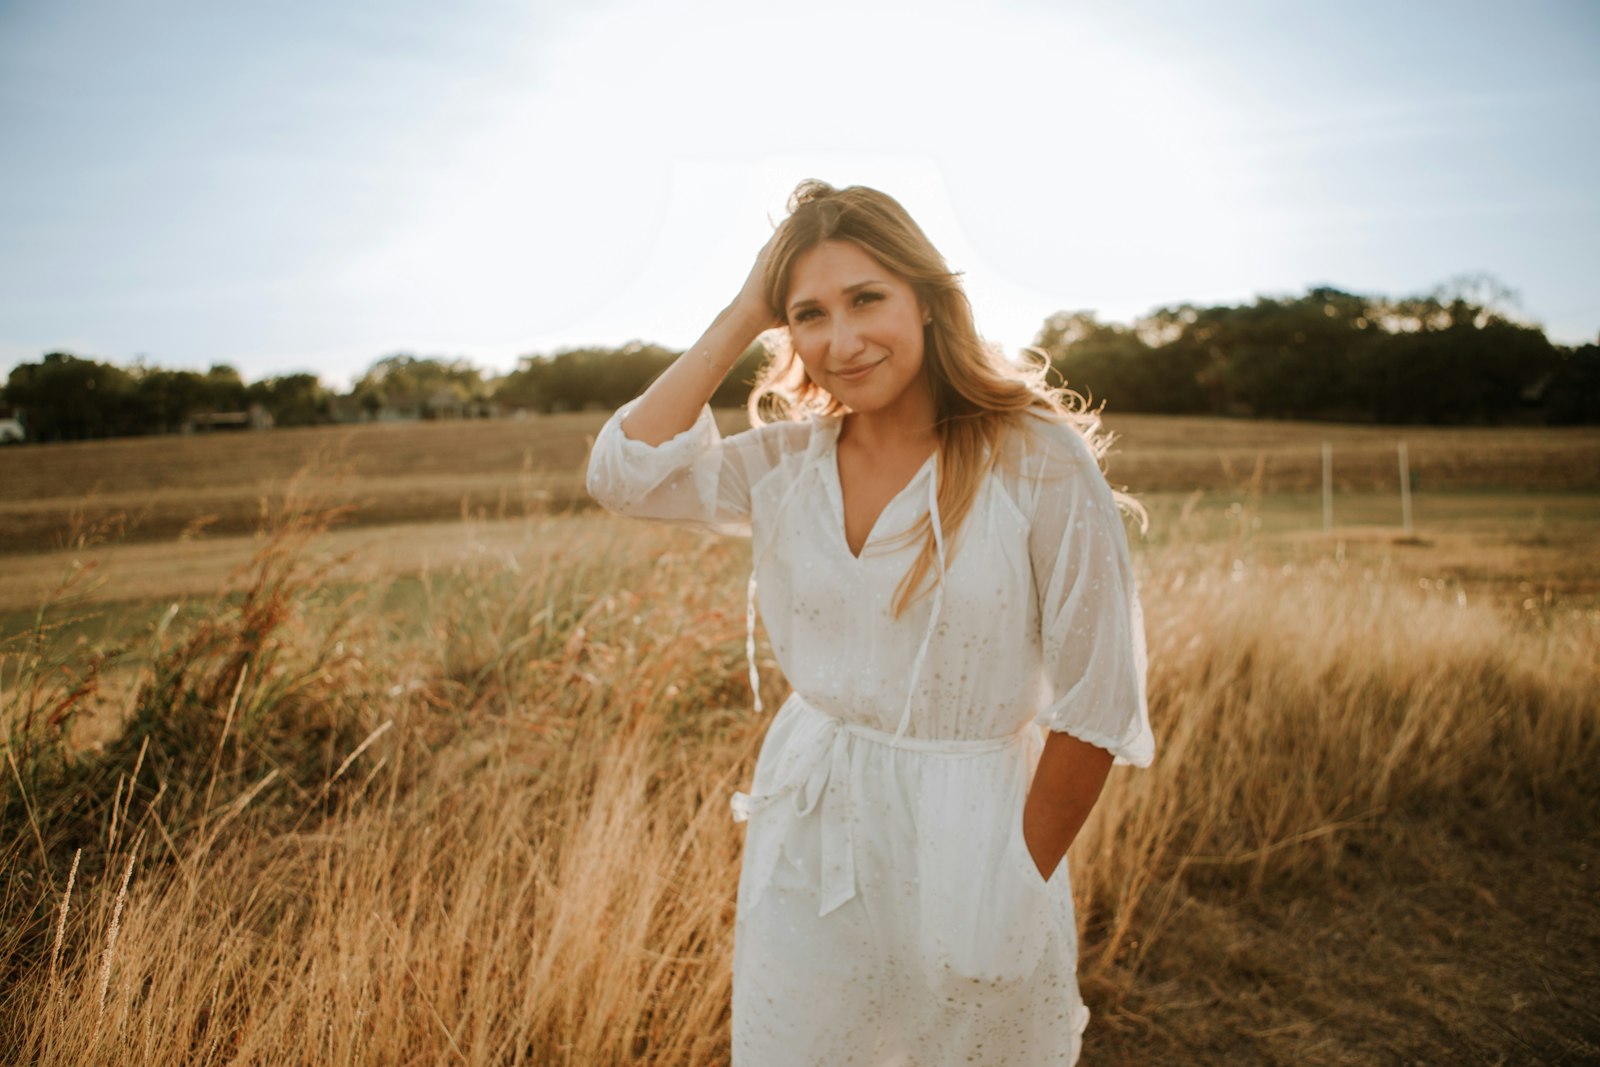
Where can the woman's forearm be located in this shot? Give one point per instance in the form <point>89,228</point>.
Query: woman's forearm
<point>1065,786</point>
<point>674,400</point>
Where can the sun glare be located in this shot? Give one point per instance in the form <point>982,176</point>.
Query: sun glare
<point>1051,164</point>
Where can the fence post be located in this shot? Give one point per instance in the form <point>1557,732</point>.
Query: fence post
<point>1327,487</point>
<point>1405,489</point>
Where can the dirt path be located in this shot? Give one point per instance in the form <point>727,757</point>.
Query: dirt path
<point>154,570</point>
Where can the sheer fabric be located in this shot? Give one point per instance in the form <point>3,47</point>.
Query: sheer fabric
<point>888,910</point>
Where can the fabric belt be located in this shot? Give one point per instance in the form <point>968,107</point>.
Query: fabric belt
<point>814,769</point>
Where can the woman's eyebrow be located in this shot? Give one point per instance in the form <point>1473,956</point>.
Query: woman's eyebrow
<point>808,301</point>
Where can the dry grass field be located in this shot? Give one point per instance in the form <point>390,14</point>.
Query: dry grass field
<point>156,488</point>
<point>430,788</point>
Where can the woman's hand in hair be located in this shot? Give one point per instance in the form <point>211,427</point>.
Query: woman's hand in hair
<point>751,303</point>
<point>673,402</point>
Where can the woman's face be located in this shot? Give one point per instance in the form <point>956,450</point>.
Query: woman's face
<point>857,327</point>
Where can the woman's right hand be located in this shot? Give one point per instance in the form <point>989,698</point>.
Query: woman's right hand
<point>673,401</point>
<point>751,303</point>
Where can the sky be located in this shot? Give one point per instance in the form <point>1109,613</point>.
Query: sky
<point>311,185</point>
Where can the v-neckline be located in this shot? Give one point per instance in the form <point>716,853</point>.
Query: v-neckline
<point>836,494</point>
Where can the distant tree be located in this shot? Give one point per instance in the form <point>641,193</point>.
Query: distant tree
<point>734,391</point>
<point>405,382</point>
<point>292,399</point>
<point>578,378</point>
<point>166,399</point>
<point>1572,395</point>
<point>1288,358</point>
<point>222,389</point>
<point>1113,363</point>
<point>370,399</point>
<point>66,398</point>
<point>619,375</point>
<point>523,389</point>
<point>1450,361</point>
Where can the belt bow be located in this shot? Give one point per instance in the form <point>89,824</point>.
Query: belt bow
<point>814,770</point>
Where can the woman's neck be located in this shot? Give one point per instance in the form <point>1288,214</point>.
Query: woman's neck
<point>907,425</point>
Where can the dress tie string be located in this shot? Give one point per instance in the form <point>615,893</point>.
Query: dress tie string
<point>938,600</point>
<point>750,636</point>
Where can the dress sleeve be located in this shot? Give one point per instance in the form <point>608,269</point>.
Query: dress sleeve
<point>1091,627</point>
<point>698,478</point>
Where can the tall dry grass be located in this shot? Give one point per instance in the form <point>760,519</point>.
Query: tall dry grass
<point>487,822</point>
<point>1299,706</point>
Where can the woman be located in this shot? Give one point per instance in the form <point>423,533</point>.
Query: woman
<point>942,571</point>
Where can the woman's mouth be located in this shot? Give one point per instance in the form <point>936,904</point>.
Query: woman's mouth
<point>855,373</point>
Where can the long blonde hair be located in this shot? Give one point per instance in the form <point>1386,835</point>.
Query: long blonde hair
<point>978,394</point>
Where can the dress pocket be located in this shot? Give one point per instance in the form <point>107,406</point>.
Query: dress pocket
<point>985,913</point>
<point>1024,858</point>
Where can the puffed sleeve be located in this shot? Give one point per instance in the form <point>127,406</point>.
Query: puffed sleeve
<point>1091,627</point>
<point>698,478</point>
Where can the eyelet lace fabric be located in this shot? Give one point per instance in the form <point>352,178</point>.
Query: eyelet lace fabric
<point>888,910</point>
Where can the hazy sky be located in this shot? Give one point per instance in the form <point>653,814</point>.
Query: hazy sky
<point>313,185</point>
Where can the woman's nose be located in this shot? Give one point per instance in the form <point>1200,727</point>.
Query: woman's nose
<point>846,339</point>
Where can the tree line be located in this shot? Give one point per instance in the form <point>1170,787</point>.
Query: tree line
<point>1455,356</point>
<point>66,397</point>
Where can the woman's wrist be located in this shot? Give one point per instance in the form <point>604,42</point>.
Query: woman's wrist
<point>728,337</point>
<point>749,316</point>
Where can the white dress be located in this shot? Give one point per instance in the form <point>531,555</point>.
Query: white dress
<point>888,909</point>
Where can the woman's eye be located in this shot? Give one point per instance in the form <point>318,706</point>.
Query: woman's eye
<point>805,316</point>
<point>867,297</point>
